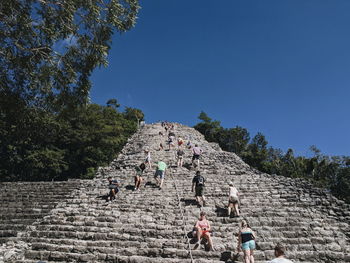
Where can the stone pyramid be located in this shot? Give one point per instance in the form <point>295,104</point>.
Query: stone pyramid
<point>71,222</point>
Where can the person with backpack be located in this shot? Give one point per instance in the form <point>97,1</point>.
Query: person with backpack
<point>179,155</point>
<point>198,185</point>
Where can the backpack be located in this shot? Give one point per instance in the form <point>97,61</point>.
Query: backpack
<point>200,181</point>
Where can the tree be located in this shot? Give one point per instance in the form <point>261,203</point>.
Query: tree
<point>113,103</point>
<point>204,117</point>
<point>133,114</point>
<point>234,139</point>
<point>257,152</point>
<point>49,48</point>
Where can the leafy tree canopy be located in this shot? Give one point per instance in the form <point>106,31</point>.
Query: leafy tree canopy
<point>331,172</point>
<point>49,48</point>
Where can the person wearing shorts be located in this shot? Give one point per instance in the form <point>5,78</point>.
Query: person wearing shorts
<point>160,173</point>
<point>202,230</point>
<point>198,185</point>
<point>148,158</point>
<point>113,188</point>
<point>246,242</point>
<point>233,200</point>
<point>179,155</point>
<point>196,154</point>
<point>138,177</point>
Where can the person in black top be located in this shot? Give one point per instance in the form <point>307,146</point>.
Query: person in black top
<point>113,188</point>
<point>179,155</point>
<point>198,185</point>
<point>246,242</point>
<point>138,177</point>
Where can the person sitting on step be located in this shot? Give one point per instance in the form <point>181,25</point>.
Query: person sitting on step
<point>202,230</point>
<point>246,242</point>
<point>113,188</point>
<point>233,200</point>
<point>198,185</point>
<point>160,173</point>
<point>138,177</point>
<point>280,252</point>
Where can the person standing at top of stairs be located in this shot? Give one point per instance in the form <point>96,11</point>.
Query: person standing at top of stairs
<point>160,173</point>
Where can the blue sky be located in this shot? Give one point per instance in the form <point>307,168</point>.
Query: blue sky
<point>281,67</point>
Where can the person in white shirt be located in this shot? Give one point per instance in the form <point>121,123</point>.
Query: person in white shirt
<point>197,151</point>
<point>280,252</point>
<point>233,200</point>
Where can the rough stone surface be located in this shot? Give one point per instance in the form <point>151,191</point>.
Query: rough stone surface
<point>74,224</point>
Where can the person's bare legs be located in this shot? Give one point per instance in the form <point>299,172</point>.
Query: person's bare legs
<point>199,235</point>
<point>246,256</point>
<point>157,181</point>
<point>161,182</point>
<point>136,182</point>
<point>236,209</point>
<point>210,241</point>
<point>229,209</point>
<point>203,200</point>
<point>139,183</point>
<point>251,256</point>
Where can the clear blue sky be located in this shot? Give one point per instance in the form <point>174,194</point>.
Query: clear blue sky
<point>281,67</point>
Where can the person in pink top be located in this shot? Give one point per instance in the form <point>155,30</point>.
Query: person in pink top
<point>196,154</point>
<point>203,229</point>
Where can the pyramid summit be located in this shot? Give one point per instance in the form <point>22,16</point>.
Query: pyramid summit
<point>72,222</point>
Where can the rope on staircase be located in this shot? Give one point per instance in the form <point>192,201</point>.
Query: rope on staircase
<point>183,218</point>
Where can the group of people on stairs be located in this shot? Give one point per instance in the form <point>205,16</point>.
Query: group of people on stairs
<point>202,229</point>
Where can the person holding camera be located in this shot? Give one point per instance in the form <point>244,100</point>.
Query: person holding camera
<point>202,229</point>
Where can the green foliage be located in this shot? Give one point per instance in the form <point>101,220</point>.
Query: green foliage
<point>40,145</point>
<point>133,114</point>
<point>49,48</point>
<point>328,172</point>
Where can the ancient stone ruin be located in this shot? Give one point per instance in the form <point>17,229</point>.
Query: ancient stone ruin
<point>71,222</point>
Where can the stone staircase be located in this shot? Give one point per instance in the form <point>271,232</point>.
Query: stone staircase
<point>24,203</point>
<point>151,225</point>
